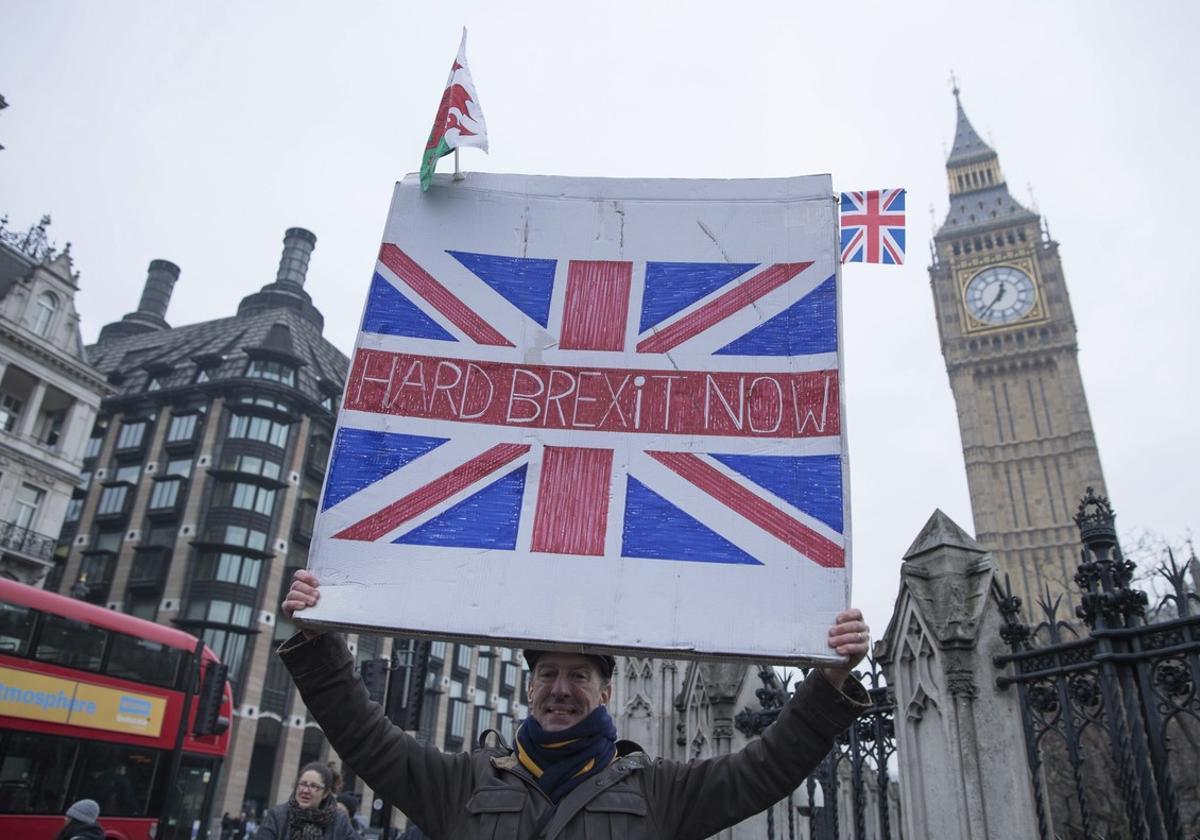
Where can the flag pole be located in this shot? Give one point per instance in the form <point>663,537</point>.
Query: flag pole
<point>458,176</point>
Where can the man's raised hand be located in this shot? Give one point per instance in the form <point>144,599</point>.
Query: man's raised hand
<point>304,593</point>
<point>850,637</point>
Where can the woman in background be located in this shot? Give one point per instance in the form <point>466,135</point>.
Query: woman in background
<point>311,813</point>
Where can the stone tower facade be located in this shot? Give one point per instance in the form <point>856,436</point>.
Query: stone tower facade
<point>49,397</point>
<point>1008,337</point>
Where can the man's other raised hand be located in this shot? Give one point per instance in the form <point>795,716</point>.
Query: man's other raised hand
<point>305,592</point>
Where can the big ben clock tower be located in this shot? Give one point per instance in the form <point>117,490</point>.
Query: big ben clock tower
<point>1008,337</point>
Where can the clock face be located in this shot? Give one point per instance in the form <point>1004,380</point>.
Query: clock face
<point>999,295</point>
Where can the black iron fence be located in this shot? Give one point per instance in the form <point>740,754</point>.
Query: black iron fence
<point>1111,710</point>
<point>860,758</point>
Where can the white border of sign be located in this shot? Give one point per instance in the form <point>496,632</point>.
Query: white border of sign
<point>779,611</point>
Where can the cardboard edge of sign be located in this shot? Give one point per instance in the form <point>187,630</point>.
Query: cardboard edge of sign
<point>803,661</point>
<point>817,186</point>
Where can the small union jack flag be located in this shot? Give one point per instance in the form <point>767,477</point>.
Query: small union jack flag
<point>644,411</point>
<point>873,226</point>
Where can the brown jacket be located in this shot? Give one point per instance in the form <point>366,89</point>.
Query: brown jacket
<point>488,795</point>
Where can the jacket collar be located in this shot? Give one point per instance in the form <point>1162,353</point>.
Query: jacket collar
<point>630,759</point>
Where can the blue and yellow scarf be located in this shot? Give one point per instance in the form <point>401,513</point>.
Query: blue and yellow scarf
<point>559,761</point>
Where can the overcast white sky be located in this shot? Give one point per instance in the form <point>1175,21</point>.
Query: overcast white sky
<point>199,132</point>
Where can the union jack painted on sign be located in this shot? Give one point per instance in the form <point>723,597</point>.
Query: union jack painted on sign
<point>873,226</point>
<point>530,406</point>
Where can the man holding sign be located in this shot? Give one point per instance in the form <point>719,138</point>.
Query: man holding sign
<point>569,776</point>
<point>591,415</point>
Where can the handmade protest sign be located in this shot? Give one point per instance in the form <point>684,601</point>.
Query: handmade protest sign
<point>596,413</point>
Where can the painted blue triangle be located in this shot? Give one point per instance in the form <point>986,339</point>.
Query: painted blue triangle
<point>487,519</point>
<point>525,283</point>
<point>656,529</point>
<point>812,484</point>
<point>672,286</point>
<point>807,326</point>
<point>391,313</point>
<point>361,457</point>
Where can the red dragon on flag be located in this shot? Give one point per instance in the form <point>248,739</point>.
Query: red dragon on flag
<point>459,121</point>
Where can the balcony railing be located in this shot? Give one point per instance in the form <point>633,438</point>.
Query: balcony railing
<point>27,543</point>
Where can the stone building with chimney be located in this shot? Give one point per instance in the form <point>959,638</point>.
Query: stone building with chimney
<point>201,481</point>
<point>49,396</point>
<point>200,484</point>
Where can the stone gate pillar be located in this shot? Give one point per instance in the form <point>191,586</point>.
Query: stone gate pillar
<point>959,740</point>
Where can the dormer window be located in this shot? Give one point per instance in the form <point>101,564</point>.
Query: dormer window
<point>153,384</point>
<point>271,370</point>
<point>43,313</point>
<point>207,365</point>
<point>331,394</point>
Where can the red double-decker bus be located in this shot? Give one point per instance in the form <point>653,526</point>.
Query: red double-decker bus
<point>100,705</point>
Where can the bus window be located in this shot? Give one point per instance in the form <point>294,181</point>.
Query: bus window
<point>34,770</point>
<point>120,778</point>
<point>16,628</point>
<point>143,661</point>
<point>72,644</point>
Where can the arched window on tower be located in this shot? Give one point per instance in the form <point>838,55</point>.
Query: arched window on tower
<point>43,313</point>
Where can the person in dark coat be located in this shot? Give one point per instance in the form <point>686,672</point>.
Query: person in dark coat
<point>413,832</point>
<point>569,777</point>
<point>82,822</point>
<point>237,827</point>
<point>310,814</point>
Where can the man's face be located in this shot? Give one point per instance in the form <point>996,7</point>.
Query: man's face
<point>565,688</point>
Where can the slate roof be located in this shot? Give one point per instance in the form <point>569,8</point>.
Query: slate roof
<point>982,209</point>
<point>223,346</point>
<point>968,145</point>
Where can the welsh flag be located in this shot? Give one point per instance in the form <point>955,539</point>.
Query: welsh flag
<point>459,121</point>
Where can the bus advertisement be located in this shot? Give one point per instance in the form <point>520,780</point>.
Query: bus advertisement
<point>96,704</point>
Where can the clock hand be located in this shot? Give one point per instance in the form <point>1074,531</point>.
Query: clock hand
<point>999,295</point>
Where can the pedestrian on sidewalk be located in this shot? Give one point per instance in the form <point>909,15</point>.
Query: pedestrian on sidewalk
<point>82,822</point>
